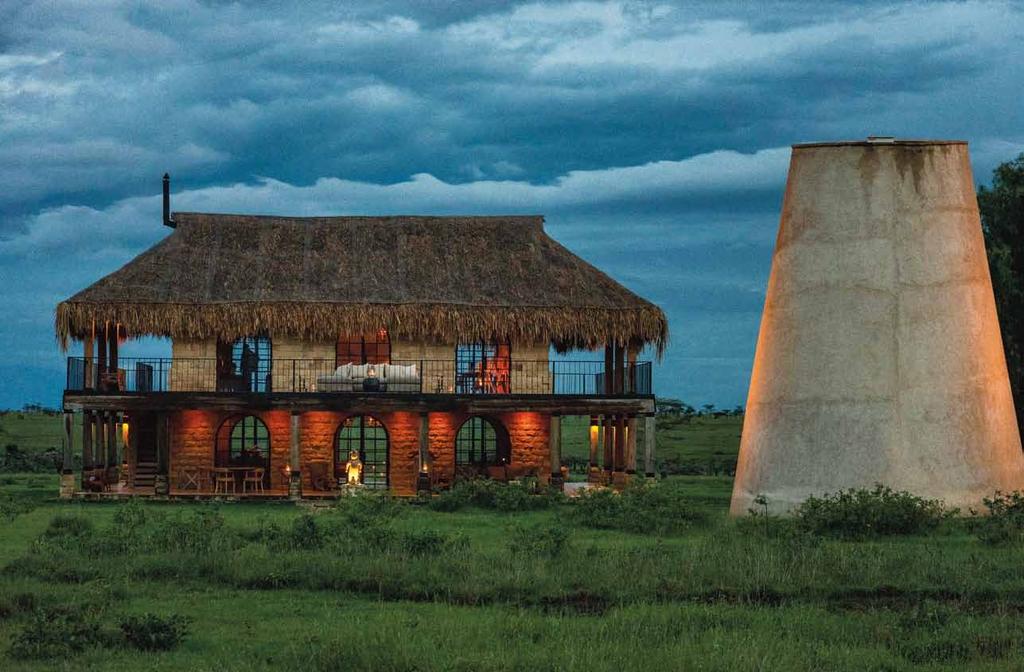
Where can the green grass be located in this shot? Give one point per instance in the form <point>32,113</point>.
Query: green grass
<point>719,595</point>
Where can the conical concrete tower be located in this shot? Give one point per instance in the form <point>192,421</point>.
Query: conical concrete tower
<point>879,358</point>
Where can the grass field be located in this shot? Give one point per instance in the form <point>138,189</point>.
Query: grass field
<point>273,586</point>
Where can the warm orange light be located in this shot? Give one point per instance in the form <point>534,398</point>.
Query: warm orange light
<point>124,432</point>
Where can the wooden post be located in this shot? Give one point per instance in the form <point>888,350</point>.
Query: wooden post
<point>423,480</point>
<point>67,476</point>
<point>101,356</point>
<point>619,455</point>
<point>609,445</point>
<point>112,462</point>
<point>87,435</point>
<point>161,483</point>
<point>631,445</point>
<point>620,368</point>
<point>98,441</point>
<point>609,369</point>
<point>631,369</point>
<point>595,430</point>
<point>112,349</point>
<point>555,451</point>
<point>649,445</point>
<point>295,463</point>
<point>87,354</point>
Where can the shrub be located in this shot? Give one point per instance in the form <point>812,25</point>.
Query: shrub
<point>1004,523</point>
<point>305,534</point>
<point>368,508</point>
<point>201,532</point>
<point>548,541</point>
<point>641,507</point>
<point>862,513</point>
<point>57,633</point>
<point>424,542</point>
<point>150,632</point>
<point>495,495</point>
<point>68,525</point>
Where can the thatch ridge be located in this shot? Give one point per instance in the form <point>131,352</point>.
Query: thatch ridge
<point>432,278</point>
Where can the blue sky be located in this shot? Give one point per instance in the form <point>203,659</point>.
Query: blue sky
<point>653,136</point>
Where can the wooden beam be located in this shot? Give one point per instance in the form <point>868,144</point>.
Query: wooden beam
<point>111,459</point>
<point>631,355</point>
<point>99,430</point>
<point>357,403</point>
<point>101,352</point>
<point>620,365</point>
<point>112,350</point>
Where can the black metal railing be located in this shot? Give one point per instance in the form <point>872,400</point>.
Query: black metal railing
<point>422,376</point>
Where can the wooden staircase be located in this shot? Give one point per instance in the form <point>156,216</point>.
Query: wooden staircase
<point>145,475</point>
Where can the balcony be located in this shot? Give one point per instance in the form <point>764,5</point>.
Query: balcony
<point>399,377</point>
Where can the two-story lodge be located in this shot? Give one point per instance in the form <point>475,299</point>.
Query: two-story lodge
<point>391,352</point>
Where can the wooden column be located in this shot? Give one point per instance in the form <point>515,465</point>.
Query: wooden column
<point>67,476</point>
<point>620,365</point>
<point>424,481</point>
<point>649,431</point>
<point>609,369</point>
<point>112,349</point>
<point>101,355</point>
<point>112,463</point>
<point>595,432</point>
<point>631,369</point>
<point>295,461</point>
<point>609,444</point>
<point>87,435</point>
<point>620,443</point>
<point>98,443</point>
<point>555,451</point>
<point>631,445</point>
<point>87,354</point>
<point>162,485</point>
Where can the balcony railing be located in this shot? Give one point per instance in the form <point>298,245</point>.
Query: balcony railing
<point>424,376</point>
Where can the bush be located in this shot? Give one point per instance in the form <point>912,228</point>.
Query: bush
<point>426,542</point>
<point>368,508</point>
<point>68,526</point>
<point>201,532</point>
<point>305,534</point>
<point>863,513</point>
<point>58,633</point>
<point>495,495</point>
<point>150,632</point>
<point>1004,523</point>
<point>549,541</point>
<point>641,507</point>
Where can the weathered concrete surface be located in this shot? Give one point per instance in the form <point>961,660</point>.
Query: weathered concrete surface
<point>879,358</point>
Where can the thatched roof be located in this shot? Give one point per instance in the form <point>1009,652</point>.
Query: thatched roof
<point>434,278</point>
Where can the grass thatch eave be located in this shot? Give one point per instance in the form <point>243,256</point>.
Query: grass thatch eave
<point>564,327</point>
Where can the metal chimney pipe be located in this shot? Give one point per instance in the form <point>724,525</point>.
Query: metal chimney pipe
<point>167,201</point>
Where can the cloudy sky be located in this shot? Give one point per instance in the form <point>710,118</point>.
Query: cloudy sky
<point>653,136</point>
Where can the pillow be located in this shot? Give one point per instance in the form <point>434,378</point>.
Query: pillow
<point>344,371</point>
<point>358,371</point>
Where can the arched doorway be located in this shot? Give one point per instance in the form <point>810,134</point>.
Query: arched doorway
<point>481,443</point>
<point>367,436</point>
<point>244,441</point>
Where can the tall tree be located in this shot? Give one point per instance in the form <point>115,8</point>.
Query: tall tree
<point>1002,220</point>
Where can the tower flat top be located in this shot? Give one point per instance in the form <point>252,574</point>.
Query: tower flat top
<point>873,141</point>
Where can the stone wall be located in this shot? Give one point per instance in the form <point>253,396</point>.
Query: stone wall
<point>194,433</point>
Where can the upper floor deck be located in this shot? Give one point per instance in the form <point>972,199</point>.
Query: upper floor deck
<point>496,377</point>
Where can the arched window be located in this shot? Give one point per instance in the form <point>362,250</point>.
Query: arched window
<point>365,435</point>
<point>372,348</point>
<point>482,442</point>
<point>244,442</point>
